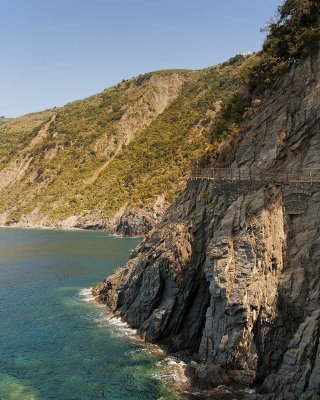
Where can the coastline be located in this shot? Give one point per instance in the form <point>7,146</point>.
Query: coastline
<point>42,227</point>
<point>125,222</point>
<point>175,365</point>
<point>41,274</point>
<point>68,229</point>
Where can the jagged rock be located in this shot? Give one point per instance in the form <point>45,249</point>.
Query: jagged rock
<point>209,376</point>
<point>232,271</point>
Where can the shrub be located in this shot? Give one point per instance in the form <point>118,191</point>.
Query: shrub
<point>295,33</point>
<point>231,114</point>
<point>142,78</point>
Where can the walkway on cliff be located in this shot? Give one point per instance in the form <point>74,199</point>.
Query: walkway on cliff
<point>306,175</point>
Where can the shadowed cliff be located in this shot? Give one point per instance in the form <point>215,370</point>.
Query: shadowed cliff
<point>231,274</point>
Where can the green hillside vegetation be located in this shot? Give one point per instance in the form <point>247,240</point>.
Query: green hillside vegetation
<point>158,161</point>
<point>71,171</point>
<point>294,34</point>
<point>137,140</point>
<point>16,133</point>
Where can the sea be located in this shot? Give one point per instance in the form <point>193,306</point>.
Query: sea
<point>56,342</point>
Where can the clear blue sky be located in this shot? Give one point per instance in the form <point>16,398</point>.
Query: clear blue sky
<point>56,51</point>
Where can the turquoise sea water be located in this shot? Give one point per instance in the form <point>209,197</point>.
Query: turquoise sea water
<point>54,343</point>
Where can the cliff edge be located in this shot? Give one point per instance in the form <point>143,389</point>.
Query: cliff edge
<point>231,274</point>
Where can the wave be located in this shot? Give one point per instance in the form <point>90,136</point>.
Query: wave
<point>175,368</point>
<point>86,295</point>
<point>105,318</point>
<point>171,369</point>
<point>122,326</point>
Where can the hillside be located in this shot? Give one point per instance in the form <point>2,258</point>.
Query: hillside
<point>116,159</point>
<point>230,276</point>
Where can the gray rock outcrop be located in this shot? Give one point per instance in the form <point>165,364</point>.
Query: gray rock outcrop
<point>231,274</point>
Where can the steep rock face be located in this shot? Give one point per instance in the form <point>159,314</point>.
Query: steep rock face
<point>232,271</point>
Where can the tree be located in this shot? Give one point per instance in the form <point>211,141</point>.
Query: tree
<point>293,12</point>
<point>295,33</point>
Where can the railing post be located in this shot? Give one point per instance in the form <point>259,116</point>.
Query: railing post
<point>310,176</point>
<point>239,175</point>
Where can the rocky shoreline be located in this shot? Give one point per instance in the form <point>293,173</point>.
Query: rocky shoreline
<point>175,364</point>
<point>231,273</point>
<point>185,383</point>
<point>125,222</point>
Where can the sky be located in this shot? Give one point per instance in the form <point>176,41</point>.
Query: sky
<point>56,51</point>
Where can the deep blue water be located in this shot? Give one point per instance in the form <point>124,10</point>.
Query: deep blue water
<point>55,345</point>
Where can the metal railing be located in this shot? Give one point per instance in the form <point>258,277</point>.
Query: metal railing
<point>306,175</point>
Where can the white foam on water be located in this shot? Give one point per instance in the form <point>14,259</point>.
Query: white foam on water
<point>154,349</point>
<point>104,318</point>
<point>175,370</point>
<point>122,327</point>
<point>172,369</point>
<point>86,295</point>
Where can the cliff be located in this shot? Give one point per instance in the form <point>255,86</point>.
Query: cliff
<point>231,274</point>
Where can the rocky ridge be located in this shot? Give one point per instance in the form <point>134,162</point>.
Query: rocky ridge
<point>115,160</point>
<point>231,274</point>
<point>22,172</point>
